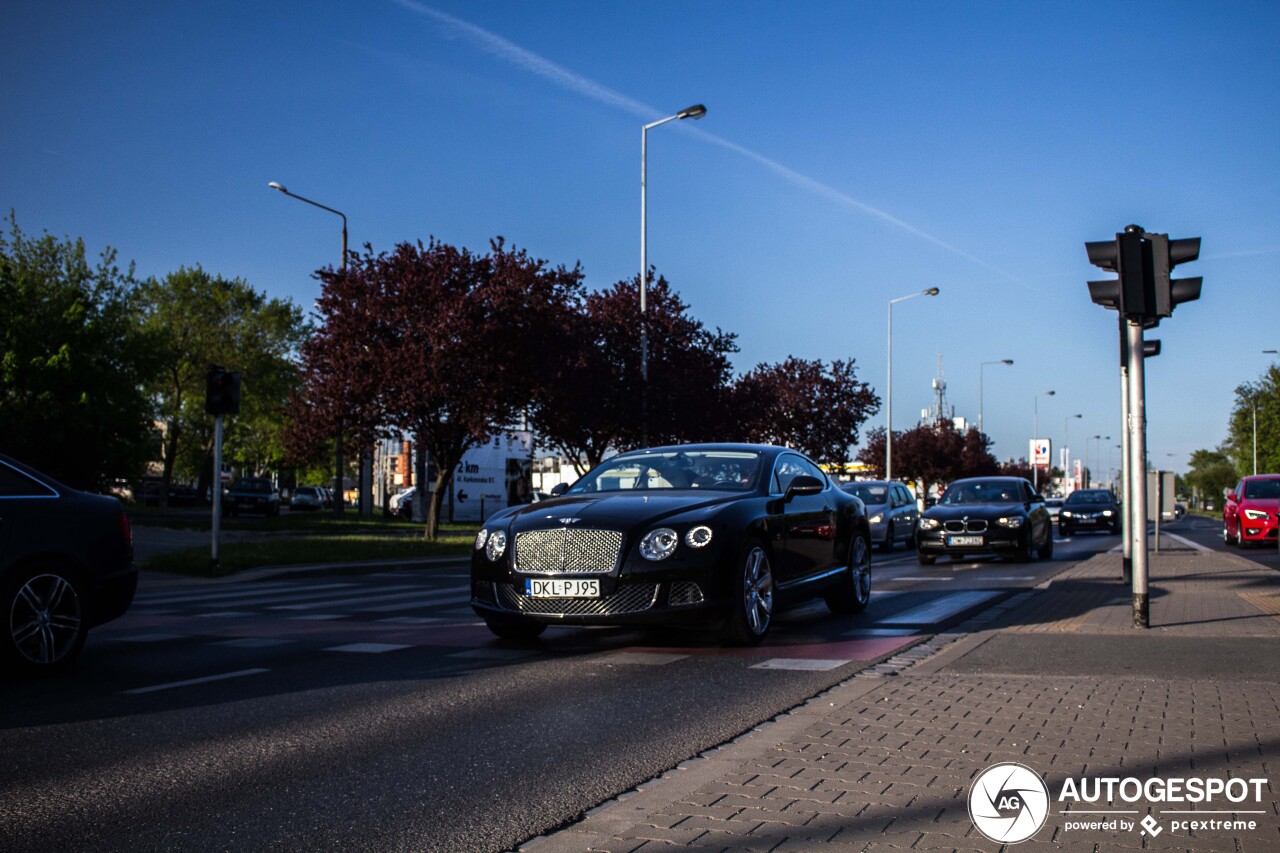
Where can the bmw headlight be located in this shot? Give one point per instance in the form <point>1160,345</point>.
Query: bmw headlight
<point>698,537</point>
<point>659,544</point>
<point>1012,521</point>
<point>1108,513</point>
<point>497,545</point>
<point>877,518</point>
<point>1066,513</point>
<point>929,524</point>
<point>481,537</point>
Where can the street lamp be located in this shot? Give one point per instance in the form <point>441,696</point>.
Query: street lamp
<point>337,476</point>
<point>1035,435</point>
<point>888,432</point>
<point>696,111</point>
<point>1066,442</point>
<point>1006,361</point>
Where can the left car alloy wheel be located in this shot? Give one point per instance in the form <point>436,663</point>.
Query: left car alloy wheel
<point>45,619</point>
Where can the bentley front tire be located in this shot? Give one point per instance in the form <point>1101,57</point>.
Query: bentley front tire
<point>751,607</point>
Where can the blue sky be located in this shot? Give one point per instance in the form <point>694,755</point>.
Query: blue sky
<point>852,153</point>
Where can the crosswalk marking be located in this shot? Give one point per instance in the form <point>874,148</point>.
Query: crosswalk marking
<point>940,608</point>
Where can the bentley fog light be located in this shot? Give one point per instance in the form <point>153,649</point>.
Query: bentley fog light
<point>497,545</point>
<point>698,537</point>
<point>659,544</point>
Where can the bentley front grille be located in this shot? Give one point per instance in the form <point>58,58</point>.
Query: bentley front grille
<point>630,598</point>
<point>567,550</point>
<point>977,525</point>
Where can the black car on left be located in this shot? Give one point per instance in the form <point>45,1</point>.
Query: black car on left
<point>1002,515</point>
<point>66,565</point>
<point>703,534</point>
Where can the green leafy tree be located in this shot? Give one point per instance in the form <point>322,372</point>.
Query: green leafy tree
<point>1211,472</point>
<point>72,362</point>
<point>198,319</point>
<point>1264,397</point>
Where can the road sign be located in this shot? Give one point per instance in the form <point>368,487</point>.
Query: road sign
<point>1040,452</point>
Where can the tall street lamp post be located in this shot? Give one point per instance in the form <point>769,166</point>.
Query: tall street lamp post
<point>1035,434</point>
<point>1066,444</point>
<point>1006,361</point>
<point>337,477</point>
<point>696,111</point>
<point>888,407</point>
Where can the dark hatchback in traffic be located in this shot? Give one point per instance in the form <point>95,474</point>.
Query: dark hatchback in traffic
<point>255,495</point>
<point>66,565</point>
<point>1001,515</point>
<point>709,534</point>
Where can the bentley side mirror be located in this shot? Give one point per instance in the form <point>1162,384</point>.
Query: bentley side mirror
<point>803,484</point>
<point>559,489</point>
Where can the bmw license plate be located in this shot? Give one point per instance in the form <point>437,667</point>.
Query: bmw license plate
<point>561,588</point>
<point>964,540</point>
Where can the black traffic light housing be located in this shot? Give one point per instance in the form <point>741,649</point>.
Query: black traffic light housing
<point>1144,261</point>
<point>222,391</point>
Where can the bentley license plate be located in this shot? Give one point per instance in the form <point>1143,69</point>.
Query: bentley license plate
<point>964,540</point>
<point>561,588</point>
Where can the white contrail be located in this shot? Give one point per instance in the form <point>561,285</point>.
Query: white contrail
<point>504,49</point>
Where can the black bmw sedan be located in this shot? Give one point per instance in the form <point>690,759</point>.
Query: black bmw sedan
<point>706,534</point>
<point>66,565</point>
<point>1003,515</point>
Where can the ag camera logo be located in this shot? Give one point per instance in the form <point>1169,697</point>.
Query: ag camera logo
<point>1008,803</point>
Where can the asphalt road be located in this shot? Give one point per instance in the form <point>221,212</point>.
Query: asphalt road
<point>1207,532</point>
<point>375,712</point>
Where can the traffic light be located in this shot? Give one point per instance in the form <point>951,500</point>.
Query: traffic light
<point>222,391</point>
<point>1165,255</point>
<point>1126,255</point>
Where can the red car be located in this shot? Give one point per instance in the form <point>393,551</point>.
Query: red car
<point>1249,515</point>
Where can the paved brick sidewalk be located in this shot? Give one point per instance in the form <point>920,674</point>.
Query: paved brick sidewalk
<point>1057,680</point>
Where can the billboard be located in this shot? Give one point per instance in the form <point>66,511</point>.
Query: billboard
<point>493,476</point>
<point>1040,452</point>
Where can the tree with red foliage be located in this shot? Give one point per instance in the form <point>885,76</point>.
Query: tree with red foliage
<point>596,406</point>
<point>805,405</point>
<point>932,453</point>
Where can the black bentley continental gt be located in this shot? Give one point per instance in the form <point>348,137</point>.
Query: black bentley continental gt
<point>1003,515</point>
<point>704,534</point>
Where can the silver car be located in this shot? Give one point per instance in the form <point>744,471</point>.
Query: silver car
<point>891,509</point>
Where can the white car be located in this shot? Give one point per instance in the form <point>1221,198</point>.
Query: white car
<point>1054,505</point>
<point>398,499</point>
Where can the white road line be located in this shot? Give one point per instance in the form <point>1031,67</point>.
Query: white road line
<point>1195,545</point>
<point>200,597</point>
<point>642,658</point>
<point>190,681</point>
<point>369,648</point>
<point>381,595</point>
<point>940,608</point>
<point>803,664</point>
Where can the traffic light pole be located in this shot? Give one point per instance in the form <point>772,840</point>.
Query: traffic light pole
<point>217,487</point>
<point>1126,571</point>
<point>1136,464</point>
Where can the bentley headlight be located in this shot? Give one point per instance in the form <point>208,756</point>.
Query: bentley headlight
<point>659,544</point>
<point>481,537</point>
<point>1012,521</point>
<point>877,518</point>
<point>929,524</point>
<point>497,545</point>
<point>698,537</point>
